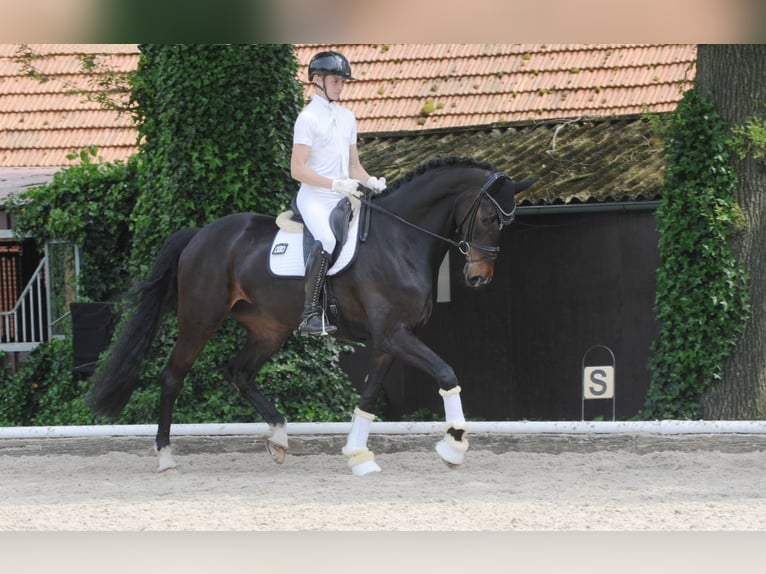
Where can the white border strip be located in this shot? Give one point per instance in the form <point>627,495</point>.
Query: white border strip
<point>664,427</point>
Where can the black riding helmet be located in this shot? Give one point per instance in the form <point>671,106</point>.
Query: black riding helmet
<point>330,63</point>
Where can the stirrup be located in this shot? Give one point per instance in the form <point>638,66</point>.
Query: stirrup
<point>315,324</point>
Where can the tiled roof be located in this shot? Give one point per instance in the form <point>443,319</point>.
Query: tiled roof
<point>409,87</point>
<point>462,85</point>
<point>41,122</point>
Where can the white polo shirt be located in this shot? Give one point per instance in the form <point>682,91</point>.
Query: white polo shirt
<point>316,127</point>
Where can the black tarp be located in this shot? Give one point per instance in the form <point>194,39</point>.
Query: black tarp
<point>92,328</point>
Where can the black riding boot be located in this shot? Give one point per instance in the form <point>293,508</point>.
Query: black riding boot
<point>313,315</point>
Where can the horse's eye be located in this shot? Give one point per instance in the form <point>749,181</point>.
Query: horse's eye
<point>488,216</point>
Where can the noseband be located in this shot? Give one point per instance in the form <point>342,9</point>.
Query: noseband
<point>465,245</point>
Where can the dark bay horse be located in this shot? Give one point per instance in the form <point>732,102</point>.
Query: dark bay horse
<point>222,271</point>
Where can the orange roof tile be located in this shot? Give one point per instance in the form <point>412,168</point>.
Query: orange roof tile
<point>401,88</point>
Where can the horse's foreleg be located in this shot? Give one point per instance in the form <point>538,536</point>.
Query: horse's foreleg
<point>360,458</point>
<point>453,446</point>
<point>413,351</point>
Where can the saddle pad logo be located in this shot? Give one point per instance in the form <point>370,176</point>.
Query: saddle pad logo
<point>279,249</point>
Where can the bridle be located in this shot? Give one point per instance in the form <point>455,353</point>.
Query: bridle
<point>503,218</point>
<point>465,245</point>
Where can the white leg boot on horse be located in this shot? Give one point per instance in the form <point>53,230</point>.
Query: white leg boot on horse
<point>276,444</point>
<point>360,458</point>
<point>453,446</point>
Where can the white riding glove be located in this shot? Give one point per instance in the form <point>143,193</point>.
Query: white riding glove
<point>345,186</point>
<point>376,184</point>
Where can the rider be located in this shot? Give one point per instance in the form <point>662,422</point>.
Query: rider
<point>326,162</point>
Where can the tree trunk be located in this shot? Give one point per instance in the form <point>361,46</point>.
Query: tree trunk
<point>734,78</point>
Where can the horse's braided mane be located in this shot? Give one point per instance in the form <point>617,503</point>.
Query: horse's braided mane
<point>436,163</point>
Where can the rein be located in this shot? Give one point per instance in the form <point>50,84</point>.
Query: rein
<point>464,245</point>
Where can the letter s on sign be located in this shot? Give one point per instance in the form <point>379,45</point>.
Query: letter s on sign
<point>598,382</point>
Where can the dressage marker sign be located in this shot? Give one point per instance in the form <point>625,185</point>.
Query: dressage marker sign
<point>598,380</point>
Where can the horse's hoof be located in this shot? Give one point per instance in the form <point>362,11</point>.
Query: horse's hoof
<point>451,465</point>
<point>277,452</point>
<point>361,461</point>
<point>365,468</point>
<point>451,452</point>
<point>168,470</point>
<point>166,461</point>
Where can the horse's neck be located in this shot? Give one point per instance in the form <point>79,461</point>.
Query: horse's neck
<point>426,200</point>
<point>428,204</point>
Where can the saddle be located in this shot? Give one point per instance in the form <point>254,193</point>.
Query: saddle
<point>340,220</point>
<point>293,241</point>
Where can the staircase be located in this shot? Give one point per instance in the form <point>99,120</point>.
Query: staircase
<point>39,312</point>
<point>24,327</point>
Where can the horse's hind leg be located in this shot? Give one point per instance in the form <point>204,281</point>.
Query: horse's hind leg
<point>188,346</point>
<point>241,372</point>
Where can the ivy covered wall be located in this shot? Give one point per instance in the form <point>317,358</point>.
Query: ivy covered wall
<point>702,297</point>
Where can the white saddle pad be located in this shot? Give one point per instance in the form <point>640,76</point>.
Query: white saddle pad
<point>286,258</point>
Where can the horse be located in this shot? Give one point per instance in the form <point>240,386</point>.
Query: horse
<point>222,270</point>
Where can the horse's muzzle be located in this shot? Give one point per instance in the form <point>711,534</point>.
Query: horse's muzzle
<point>478,273</point>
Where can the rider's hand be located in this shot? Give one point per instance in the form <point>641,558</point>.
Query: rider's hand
<point>376,184</point>
<point>345,186</point>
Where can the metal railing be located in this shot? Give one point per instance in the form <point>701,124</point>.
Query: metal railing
<point>24,326</point>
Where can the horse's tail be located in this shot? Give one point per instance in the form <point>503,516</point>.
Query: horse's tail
<point>116,379</point>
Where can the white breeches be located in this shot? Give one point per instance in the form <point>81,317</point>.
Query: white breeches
<point>315,206</point>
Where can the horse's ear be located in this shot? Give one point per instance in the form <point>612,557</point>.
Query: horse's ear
<point>507,189</point>
<point>520,186</point>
